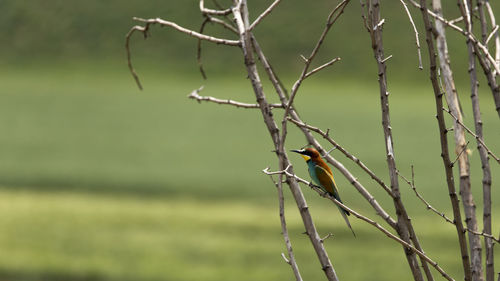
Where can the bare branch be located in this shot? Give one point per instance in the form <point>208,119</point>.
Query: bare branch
<point>194,95</point>
<point>404,227</point>
<point>284,230</point>
<point>209,19</point>
<point>144,30</point>
<point>457,20</point>
<point>322,67</point>
<point>427,205</point>
<point>417,41</point>
<point>198,52</point>
<point>438,95</point>
<point>497,35</point>
<point>492,34</point>
<point>284,258</point>
<point>453,101</point>
<point>469,36</point>
<point>480,140</point>
<point>326,237</point>
<point>345,152</point>
<point>277,84</point>
<point>464,148</point>
<point>386,59</point>
<point>441,214</point>
<point>213,12</point>
<point>369,221</point>
<point>240,12</point>
<point>190,32</point>
<point>223,24</point>
<point>251,50</point>
<point>264,14</point>
<point>347,174</point>
<point>483,154</point>
<point>332,18</point>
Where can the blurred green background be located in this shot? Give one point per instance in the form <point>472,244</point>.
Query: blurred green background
<point>100,181</point>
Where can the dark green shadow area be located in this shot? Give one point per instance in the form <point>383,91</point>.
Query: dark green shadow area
<point>217,191</point>
<point>22,275</point>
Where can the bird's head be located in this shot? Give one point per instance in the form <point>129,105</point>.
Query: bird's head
<point>307,153</point>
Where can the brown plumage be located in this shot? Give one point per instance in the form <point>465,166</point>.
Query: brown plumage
<point>322,176</point>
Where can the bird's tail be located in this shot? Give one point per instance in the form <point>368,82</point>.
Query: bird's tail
<point>344,214</point>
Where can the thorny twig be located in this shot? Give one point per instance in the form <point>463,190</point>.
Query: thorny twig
<point>209,19</point>
<point>356,160</point>
<point>284,229</point>
<point>430,33</point>
<point>322,193</point>
<point>194,95</point>
<point>428,206</point>
<point>469,36</point>
<point>417,41</point>
<point>248,43</point>
<point>473,134</point>
<point>264,14</point>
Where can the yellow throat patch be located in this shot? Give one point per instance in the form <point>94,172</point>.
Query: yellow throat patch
<point>307,158</point>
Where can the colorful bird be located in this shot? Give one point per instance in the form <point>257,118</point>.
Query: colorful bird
<point>323,177</point>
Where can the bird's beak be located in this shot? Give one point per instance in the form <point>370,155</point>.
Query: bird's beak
<point>301,152</point>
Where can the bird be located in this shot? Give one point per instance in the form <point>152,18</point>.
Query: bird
<point>322,176</point>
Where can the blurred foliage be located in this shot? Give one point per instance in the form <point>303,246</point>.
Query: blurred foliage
<point>66,30</point>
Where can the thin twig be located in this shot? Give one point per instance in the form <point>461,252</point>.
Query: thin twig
<point>209,19</point>
<point>198,52</point>
<point>441,214</point>
<point>453,101</point>
<point>345,152</point>
<point>386,59</point>
<point>473,134</point>
<point>331,19</point>
<point>427,205</point>
<point>144,30</point>
<point>194,95</point>
<point>457,20</point>
<point>264,14</point>
<point>322,67</point>
<point>497,35</point>
<point>213,12</point>
<point>223,24</point>
<point>404,228</point>
<point>492,34</point>
<point>469,36</point>
<point>417,41</point>
<point>483,155</point>
<point>368,220</point>
<point>240,12</point>
<point>277,84</point>
<point>464,148</point>
<point>284,229</point>
<point>190,32</point>
<point>326,237</point>
<point>430,33</point>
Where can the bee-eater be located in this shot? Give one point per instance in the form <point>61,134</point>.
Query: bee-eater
<point>322,176</point>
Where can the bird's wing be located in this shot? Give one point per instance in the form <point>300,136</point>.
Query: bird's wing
<point>326,180</point>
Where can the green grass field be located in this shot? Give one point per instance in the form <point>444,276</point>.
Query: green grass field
<point>100,181</point>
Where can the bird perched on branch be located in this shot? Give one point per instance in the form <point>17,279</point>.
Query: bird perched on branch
<point>322,176</point>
